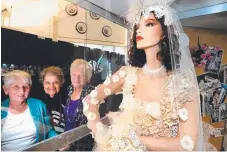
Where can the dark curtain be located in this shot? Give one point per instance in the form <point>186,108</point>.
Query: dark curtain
<point>26,51</point>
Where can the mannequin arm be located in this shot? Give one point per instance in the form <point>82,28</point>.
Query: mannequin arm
<point>91,103</point>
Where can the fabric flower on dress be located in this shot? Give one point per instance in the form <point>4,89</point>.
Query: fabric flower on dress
<point>131,79</point>
<point>115,78</point>
<point>153,108</point>
<point>107,81</point>
<point>91,116</point>
<point>107,91</point>
<point>94,101</point>
<point>94,93</point>
<point>187,143</point>
<point>122,74</point>
<point>183,114</point>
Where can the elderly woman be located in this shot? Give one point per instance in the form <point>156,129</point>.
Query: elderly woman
<point>25,121</point>
<point>52,79</point>
<point>81,73</point>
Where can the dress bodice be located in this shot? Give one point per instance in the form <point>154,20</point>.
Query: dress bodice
<point>156,118</point>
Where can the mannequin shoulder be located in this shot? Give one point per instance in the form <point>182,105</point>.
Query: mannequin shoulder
<point>128,69</point>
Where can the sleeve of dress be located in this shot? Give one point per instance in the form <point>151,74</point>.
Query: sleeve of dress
<point>190,123</point>
<point>91,103</point>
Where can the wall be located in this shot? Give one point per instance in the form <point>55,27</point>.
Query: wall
<point>50,20</point>
<point>211,38</point>
<point>208,36</point>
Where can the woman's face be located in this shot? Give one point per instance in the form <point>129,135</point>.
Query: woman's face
<point>51,84</point>
<point>78,76</point>
<point>149,32</point>
<point>18,90</point>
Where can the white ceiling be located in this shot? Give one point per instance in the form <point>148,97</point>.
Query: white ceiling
<point>193,13</point>
<point>216,21</point>
<point>186,5</point>
<point>119,6</point>
<point>213,21</point>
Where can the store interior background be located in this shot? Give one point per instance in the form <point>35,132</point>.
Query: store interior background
<point>39,39</point>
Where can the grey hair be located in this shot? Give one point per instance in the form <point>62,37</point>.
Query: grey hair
<point>88,70</point>
<point>9,77</point>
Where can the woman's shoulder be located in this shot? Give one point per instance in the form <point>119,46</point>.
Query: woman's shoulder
<point>5,103</point>
<point>35,102</point>
<point>4,108</point>
<point>88,87</point>
<point>86,90</point>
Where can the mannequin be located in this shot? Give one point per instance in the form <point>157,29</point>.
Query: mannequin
<point>160,108</point>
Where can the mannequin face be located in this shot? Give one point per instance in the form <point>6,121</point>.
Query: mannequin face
<point>51,84</point>
<point>149,32</point>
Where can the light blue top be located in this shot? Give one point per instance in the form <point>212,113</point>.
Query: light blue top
<point>40,117</point>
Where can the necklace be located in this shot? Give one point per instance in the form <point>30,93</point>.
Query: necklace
<point>155,72</point>
<point>75,111</point>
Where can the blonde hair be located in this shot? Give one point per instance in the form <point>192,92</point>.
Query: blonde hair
<point>9,77</point>
<point>88,70</point>
<point>56,71</point>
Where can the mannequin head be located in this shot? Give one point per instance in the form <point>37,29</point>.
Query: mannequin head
<point>154,33</point>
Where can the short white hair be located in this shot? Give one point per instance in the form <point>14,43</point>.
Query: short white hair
<point>88,70</point>
<point>9,77</point>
